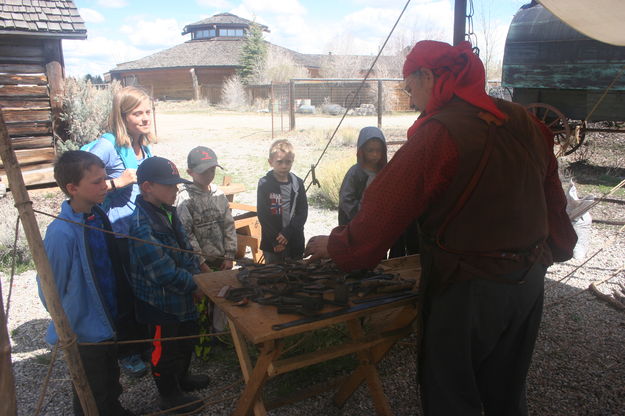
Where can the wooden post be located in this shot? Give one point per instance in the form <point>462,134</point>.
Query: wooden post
<point>291,105</point>
<point>8,404</point>
<point>53,56</point>
<point>67,338</point>
<point>380,92</point>
<point>196,85</point>
<point>460,18</point>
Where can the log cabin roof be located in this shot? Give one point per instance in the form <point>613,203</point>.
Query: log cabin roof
<point>58,18</point>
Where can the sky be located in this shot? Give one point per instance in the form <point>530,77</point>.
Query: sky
<point>124,30</point>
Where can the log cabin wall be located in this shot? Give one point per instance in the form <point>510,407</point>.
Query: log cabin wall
<point>31,72</point>
<point>177,83</point>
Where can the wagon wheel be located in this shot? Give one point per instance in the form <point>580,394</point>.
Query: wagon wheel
<point>557,123</point>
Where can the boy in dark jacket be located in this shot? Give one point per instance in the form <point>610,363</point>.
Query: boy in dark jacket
<point>370,159</point>
<point>282,206</point>
<point>162,280</point>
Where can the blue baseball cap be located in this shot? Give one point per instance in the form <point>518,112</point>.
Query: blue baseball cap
<point>159,170</point>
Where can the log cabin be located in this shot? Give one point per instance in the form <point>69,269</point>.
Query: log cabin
<point>31,79</point>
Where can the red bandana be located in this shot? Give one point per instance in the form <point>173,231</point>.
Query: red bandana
<point>459,72</point>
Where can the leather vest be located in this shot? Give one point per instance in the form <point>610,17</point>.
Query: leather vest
<point>502,226</point>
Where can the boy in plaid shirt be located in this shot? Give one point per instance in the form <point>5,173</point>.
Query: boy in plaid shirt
<point>162,280</point>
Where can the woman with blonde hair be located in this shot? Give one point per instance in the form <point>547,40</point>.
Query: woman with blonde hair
<point>122,149</point>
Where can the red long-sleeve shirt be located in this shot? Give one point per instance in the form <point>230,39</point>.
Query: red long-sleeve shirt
<point>419,173</point>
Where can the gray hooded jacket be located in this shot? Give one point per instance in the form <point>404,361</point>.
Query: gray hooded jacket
<point>207,219</point>
<point>357,178</point>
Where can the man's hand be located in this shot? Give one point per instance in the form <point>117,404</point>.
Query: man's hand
<point>204,268</point>
<point>282,239</point>
<point>227,265</point>
<point>279,248</point>
<point>317,248</point>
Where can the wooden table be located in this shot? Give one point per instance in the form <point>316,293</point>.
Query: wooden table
<point>388,322</point>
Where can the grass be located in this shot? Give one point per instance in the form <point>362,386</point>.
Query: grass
<point>43,358</point>
<point>285,385</point>
<point>296,345</point>
<point>330,178</point>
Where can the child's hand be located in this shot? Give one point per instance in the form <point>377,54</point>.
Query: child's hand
<point>204,268</point>
<point>282,239</point>
<point>279,248</point>
<point>227,265</point>
<point>198,295</point>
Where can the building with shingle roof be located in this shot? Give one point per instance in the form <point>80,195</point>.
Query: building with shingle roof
<point>211,56</point>
<point>31,78</point>
<point>205,61</point>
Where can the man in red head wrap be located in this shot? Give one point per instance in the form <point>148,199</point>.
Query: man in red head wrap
<point>480,178</point>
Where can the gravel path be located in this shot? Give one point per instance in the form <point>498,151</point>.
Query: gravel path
<point>578,366</point>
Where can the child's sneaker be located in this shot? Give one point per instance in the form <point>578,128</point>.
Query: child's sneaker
<point>133,365</point>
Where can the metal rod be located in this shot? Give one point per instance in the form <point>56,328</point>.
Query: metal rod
<point>460,16</point>
<point>603,130</point>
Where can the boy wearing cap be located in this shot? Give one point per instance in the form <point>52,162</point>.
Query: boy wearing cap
<point>205,213</point>
<point>162,279</point>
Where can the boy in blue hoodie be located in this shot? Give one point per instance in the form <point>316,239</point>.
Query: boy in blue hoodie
<point>87,273</point>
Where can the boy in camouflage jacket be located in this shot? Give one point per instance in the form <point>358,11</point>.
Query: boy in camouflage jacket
<point>204,211</point>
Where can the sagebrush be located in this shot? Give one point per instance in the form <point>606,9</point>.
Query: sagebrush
<point>85,111</point>
<point>233,95</point>
<point>330,177</point>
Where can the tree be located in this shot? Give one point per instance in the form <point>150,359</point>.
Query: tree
<point>94,79</point>
<point>488,40</point>
<point>278,66</point>
<point>254,51</point>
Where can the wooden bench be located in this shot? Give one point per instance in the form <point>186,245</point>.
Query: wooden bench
<point>247,224</point>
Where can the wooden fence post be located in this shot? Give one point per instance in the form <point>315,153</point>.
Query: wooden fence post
<point>380,103</point>
<point>292,105</point>
<point>196,84</point>
<point>8,404</point>
<point>67,338</point>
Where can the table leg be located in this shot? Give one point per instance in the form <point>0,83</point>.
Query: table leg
<point>269,351</point>
<point>370,372</point>
<point>245,362</point>
<point>376,354</point>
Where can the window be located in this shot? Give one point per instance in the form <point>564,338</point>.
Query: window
<point>231,32</point>
<point>204,34</point>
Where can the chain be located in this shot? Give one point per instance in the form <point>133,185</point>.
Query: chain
<point>470,35</point>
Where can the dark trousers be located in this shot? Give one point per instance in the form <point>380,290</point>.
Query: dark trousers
<point>127,326</point>
<point>100,364</point>
<point>479,336</point>
<point>170,359</point>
